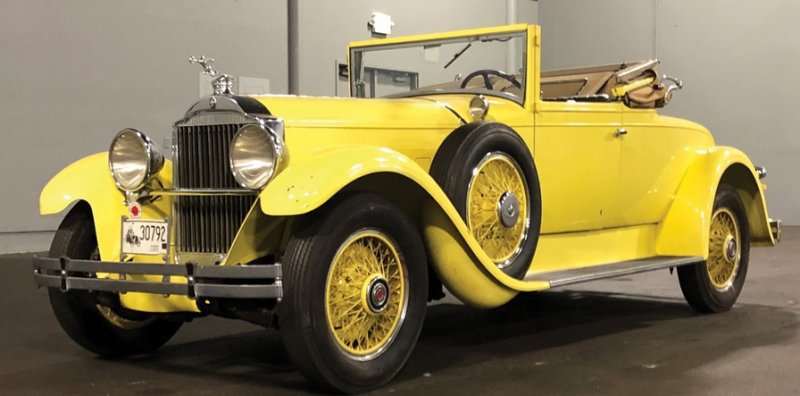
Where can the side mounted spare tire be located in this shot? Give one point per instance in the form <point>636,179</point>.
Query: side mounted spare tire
<point>488,173</point>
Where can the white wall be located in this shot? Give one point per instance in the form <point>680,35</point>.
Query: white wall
<point>736,59</point>
<point>74,72</point>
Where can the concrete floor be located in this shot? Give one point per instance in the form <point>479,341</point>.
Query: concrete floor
<point>632,335</point>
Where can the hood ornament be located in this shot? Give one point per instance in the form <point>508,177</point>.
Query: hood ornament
<point>222,83</point>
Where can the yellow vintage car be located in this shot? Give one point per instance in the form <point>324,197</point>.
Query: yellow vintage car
<point>457,165</point>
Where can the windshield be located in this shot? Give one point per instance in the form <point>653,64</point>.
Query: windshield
<point>487,64</point>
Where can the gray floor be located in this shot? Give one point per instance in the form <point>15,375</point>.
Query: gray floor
<point>632,335</point>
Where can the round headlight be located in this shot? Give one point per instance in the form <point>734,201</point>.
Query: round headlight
<point>133,159</point>
<point>254,156</point>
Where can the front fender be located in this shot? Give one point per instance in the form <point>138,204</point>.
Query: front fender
<point>89,180</point>
<point>462,265</point>
<point>684,231</point>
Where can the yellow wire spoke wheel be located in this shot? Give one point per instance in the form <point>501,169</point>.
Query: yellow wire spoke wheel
<point>724,250</point>
<point>497,207</point>
<point>365,294</point>
<point>124,323</point>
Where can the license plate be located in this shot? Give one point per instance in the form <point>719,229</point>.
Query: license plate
<point>145,237</point>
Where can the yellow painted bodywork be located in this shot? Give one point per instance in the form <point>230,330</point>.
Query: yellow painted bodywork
<point>89,180</point>
<point>605,198</point>
<point>684,229</point>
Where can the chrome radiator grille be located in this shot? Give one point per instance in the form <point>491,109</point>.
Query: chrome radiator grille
<point>208,223</point>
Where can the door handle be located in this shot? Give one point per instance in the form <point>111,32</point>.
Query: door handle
<point>620,132</point>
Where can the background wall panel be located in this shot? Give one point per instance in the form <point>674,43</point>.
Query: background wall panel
<point>74,72</point>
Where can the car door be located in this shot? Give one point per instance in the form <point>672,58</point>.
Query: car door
<point>577,156</point>
<point>655,153</point>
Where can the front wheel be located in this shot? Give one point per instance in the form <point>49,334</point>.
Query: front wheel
<point>355,291</point>
<point>106,331</point>
<point>714,285</point>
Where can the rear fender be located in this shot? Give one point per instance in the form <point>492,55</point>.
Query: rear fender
<point>462,266</point>
<point>684,231</point>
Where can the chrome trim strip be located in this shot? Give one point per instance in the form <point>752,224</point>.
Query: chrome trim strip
<point>578,275</point>
<point>199,192</point>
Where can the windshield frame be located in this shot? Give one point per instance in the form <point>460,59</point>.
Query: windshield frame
<point>357,49</point>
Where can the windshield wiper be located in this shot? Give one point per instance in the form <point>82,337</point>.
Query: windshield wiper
<point>457,55</point>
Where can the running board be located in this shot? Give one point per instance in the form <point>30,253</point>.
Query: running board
<point>578,275</point>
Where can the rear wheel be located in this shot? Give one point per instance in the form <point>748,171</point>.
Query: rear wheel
<point>106,331</point>
<point>355,291</point>
<point>714,285</point>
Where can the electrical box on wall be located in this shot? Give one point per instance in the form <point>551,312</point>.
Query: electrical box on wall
<point>380,24</point>
<point>204,85</point>
<point>253,85</point>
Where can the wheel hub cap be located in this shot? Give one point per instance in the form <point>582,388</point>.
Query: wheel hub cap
<point>508,209</point>
<point>730,249</point>
<point>377,295</point>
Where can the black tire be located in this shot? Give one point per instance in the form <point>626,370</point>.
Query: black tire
<point>311,253</point>
<point>463,150</point>
<point>78,312</point>
<point>696,283</point>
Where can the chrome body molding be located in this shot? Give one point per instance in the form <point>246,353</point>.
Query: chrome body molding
<point>202,191</point>
<point>611,270</point>
<point>225,109</point>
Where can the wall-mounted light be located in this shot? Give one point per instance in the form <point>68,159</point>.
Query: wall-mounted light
<point>380,25</point>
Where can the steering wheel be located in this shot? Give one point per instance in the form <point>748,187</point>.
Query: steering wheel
<point>485,73</point>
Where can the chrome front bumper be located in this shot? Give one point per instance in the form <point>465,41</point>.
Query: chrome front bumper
<point>775,228</point>
<point>201,281</point>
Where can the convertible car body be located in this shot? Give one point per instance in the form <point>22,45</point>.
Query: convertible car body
<point>337,219</point>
